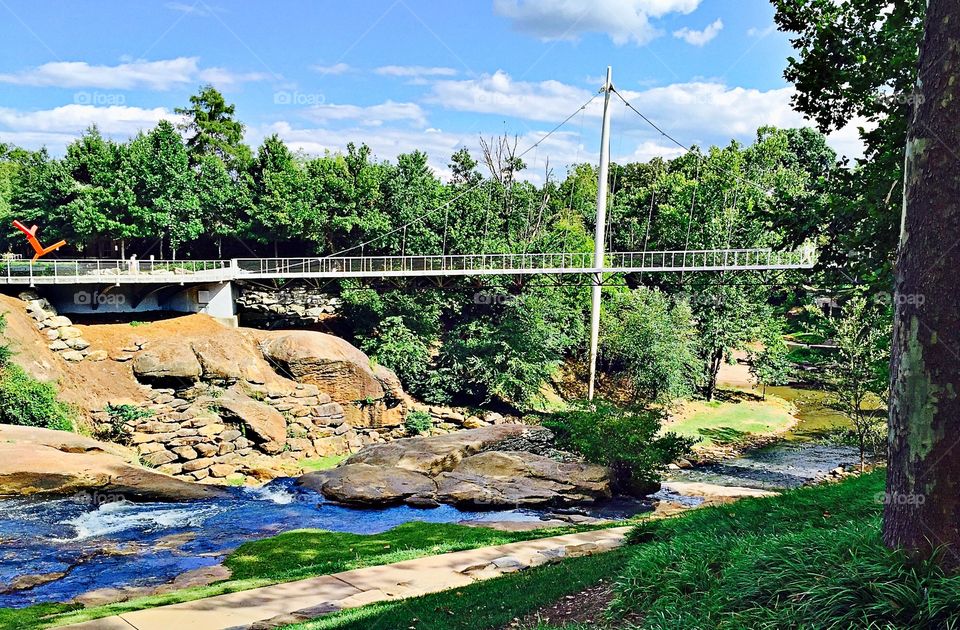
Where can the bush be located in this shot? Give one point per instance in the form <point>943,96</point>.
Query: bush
<point>117,429</point>
<point>627,441</point>
<point>418,422</point>
<point>25,401</point>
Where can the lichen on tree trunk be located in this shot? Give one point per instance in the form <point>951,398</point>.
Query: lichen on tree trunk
<point>922,511</point>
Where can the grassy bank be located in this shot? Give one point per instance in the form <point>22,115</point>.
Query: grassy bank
<point>291,556</point>
<point>732,421</point>
<point>811,558</point>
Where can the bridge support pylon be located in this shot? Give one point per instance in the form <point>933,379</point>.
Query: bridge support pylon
<point>600,234</point>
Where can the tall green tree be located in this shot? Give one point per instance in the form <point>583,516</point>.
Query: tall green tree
<point>856,63</point>
<point>166,200</point>
<point>213,129</point>
<point>858,372</point>
<point>923,475</point>
<point>653,343</point>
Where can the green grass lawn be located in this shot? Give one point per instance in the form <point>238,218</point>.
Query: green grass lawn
<point>717,421</point>
<point>810,558</point>
<point>291,556</point>
<point>312,464</point>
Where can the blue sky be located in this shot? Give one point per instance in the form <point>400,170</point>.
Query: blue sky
<point>401,74</point>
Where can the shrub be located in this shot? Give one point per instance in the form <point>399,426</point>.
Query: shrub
<point>417,422</point>
<point>117,429</point>
<point>25,401</point>
<point>627,441</point>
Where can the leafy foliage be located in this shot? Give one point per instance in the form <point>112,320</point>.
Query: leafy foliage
<point>771,365</point>
<point>418,422</point>
<point>25,401</point>
<point>117,429</point>
<point>653,342</point>
<point>628,441</point>
<point>858,374</point>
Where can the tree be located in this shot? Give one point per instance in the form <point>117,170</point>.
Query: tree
<point>857,61</point>
<point>858,371</point>
<point>923,476</point>
<point>280,208</point>
<point>770,365</point>
<point>652,342</point>
<point>214,130</point>
<point>163,185</point>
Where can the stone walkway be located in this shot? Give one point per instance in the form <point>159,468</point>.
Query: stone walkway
<point>294,602</point>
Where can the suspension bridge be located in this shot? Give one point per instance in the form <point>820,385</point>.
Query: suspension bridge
<point>211,279</point>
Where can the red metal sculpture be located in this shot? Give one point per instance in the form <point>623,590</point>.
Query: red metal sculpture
<point>39,249</point>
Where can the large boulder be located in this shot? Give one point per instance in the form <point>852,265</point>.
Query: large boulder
<point>333,365</point>
<point>265,425</point>
<point>436,454</point>
<point>41,461</point>
<point>371,395</point>
<point>517,479</point>
<point>363,484</point>
<point>462,468</point>
<point>166,362</point>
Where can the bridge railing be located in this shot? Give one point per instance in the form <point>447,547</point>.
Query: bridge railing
<point>159,271</point>
<point>104,270</point>
<point>578,261</point>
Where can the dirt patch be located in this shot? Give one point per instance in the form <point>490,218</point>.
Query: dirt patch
<point>588,608</point>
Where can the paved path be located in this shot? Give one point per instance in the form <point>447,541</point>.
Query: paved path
<point>293,602</point>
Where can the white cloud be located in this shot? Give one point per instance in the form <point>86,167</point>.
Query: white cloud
<point>622,20</point>
<point>141,74</point>
<point>700,38</point>
<point>761,32</point>
<point>372,115</point>
<point>698,112</point>
<point>56,127</point>
<point>416,71</point>
<point>499,94</point>
<point>337,68</point>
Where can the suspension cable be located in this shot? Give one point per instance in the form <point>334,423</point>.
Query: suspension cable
<point>464,192</point>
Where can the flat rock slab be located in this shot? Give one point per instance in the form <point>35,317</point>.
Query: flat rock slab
<point>272,606</point>
<point>41,461</point>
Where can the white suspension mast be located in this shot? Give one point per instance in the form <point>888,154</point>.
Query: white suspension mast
<point>599,235</point>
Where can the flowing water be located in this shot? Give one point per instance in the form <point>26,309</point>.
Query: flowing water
<point>123,544</point>
<point>799,459</point>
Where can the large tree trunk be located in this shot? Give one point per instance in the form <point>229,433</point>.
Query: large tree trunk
<point>922,509</point>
